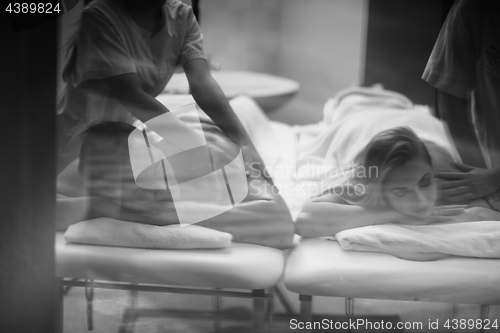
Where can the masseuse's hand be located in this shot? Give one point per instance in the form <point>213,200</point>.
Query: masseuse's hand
<point>210,97</point>
<point>254,164</point>
<point>474,214</point>
<point>468,183</point>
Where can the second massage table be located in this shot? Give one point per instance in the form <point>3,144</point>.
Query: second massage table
<point>318,267</point>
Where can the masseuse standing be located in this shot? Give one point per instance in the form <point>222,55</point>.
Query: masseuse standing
<point>124,54</point>
<point>464,67</point>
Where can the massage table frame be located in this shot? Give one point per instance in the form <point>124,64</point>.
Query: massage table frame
<point>306,309</point>
<point>259,296</point>
<point>228,272</point>
<point>321,268</point>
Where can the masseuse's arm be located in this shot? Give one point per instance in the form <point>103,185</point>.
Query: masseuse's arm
<point>325,216</point>
<point>210,97</point>
<point>455,112</point>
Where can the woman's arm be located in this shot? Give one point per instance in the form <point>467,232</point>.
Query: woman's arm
<point>73,210</point>
<point>324,216</point>
<point>211,99</point>
<point>328,214</point>
<point>262,218</point>
<point>209,96</point>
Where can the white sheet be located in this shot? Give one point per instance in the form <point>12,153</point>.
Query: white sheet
<point>354,116</point>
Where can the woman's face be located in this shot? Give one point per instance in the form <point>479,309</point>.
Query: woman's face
<point>411,189</point>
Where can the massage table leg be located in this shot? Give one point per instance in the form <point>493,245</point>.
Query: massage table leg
<point>217,305</point>
<point>89,296</point>
<point>284,300</point>
<point>128,319</point>
<point>270,309</point>
<point>258,310</point>
<point>349,310</point>
<point>305,309</point>
<point>484,314</point>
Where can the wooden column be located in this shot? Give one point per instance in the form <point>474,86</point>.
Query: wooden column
<point>27,177</point>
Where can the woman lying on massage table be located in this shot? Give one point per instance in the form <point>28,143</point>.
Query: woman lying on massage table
<point>102,184</point>
<point>392,181</point>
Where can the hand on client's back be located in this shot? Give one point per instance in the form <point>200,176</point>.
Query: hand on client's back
<point>468,183</point>
<point>474,214</point>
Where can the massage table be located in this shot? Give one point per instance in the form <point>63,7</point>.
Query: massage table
<point>319,267</point>
<point>241,270</point>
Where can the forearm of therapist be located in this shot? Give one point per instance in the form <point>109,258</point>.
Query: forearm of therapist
<point>454,111</point>
<point>127,89</point>
<point>210,97</point>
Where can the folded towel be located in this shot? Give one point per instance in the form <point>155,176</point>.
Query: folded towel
<point>470,239</point>
<point>111,232</point>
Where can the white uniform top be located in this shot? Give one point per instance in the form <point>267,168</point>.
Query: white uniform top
<point>111,43</point>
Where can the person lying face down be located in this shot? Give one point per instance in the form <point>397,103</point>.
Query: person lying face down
<point>396,185</point>
<point>400,174</point>
<point>110,190</point>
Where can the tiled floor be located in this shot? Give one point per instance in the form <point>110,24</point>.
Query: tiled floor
<point>159,313</point>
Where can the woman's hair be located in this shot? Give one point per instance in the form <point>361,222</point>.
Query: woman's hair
<point>385,151</point>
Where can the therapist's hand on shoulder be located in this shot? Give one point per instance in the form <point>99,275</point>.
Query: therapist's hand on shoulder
<point>468,183</point>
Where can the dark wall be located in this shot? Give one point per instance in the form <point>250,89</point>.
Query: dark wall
<point>27,177</point>
<point>401,35</point>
